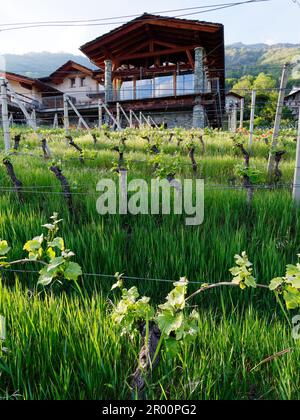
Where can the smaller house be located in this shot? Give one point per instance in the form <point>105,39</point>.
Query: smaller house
<point>292,101</point>
<point>234,99</point>
<point>76,80</point>
<point>30,91</point>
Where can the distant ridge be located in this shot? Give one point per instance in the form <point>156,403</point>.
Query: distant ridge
<point>241,59</point>
<point>41,64</point>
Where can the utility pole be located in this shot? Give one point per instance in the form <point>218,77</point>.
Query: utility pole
<point>284,80</point>
<point>252,116</point>
<point>5,120</point>
<point>296,186</point>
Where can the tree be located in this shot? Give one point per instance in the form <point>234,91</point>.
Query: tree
<point>264,82</point>
<point>244,86</point>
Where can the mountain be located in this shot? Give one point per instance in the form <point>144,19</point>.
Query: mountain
<point>253,59</point>
<point>41,64</point>
<point>241,60</point>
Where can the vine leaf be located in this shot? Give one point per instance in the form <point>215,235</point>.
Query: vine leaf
<point>72,271</point>
<point>4,248</point>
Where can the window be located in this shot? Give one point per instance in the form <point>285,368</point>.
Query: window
<point>83,82</point>
<point>73,82</point>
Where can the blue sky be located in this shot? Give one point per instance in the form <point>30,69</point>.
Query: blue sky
<point>271,22</point>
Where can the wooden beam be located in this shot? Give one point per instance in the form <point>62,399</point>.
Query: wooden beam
<point>155,53</point>
<point>190,58</point>
<point>210,28</point>
<point>151,45</point>
<point>165,44</point>
<point>129,73</point>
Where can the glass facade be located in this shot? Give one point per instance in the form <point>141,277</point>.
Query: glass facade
<point>158,87</point>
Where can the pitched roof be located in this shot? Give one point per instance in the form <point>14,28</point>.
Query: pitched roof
<point>236,95</point>
<point>124,43</point>
<point>144,18</point>
<point>28,82</point>
<point>63,71</point>
<point>293,92</point>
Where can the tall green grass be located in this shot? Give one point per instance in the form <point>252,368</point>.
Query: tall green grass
<point>61,346</point>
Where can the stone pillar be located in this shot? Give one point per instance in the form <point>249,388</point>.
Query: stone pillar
<point>108,86</point>
<point>198,111</point>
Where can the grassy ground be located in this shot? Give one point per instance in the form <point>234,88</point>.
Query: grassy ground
<point>64,347</point>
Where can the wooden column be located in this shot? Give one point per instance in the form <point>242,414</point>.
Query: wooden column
<point>175,83</point>
<point>134,89</point>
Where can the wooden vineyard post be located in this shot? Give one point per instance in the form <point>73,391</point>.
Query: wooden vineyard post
<point>252,116</point>
<point>296,186</point>
<point>246,179</point>
<point>17,140</point>
<point>283,84</point>
<point>5,120</point>
<point>45,149</point>
<point>73,144</point>
<point>65,186</point>
<point>16,182</point>
<point>193,160</point>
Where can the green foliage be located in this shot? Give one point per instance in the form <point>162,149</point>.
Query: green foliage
<point>289,286</point>
<point>255,175</point>
<point>130,310</point>
<point>176,323</point>
<point>242,272</point>
<point>50,251</point>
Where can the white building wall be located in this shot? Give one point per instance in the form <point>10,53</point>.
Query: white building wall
<point>293,104</point>
<point>78,91</point>
<point>27,95</point>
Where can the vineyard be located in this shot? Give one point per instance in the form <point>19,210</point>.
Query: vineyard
<point>70,332</point>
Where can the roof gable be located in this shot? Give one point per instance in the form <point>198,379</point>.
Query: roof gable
<point>174,36</point>
<point>65,70</point>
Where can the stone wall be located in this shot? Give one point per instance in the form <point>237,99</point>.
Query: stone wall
<point>173,119</point>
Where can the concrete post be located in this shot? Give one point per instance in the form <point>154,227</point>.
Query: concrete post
<point>100,114</point>
<point>296,186</point>
<point>5,120</point>
<point>283,84</point>
<point>234,118</point>
<point>198,111</point>
<point>108,81</point>
<point>66,114</point>
<point>252,116</point>
<point>242,108</point>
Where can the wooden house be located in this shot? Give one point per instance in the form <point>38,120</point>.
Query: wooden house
<point>169,68</point>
